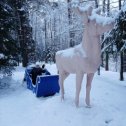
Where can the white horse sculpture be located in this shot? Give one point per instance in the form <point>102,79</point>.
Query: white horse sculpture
<point>84,58</point>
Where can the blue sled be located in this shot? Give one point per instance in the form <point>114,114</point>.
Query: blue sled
<point>46,85</point>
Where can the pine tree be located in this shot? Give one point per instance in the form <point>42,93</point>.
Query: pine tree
<point>121,41</point>
<point>118,37</point>
<point>8,45</point>
<point>24,31</point>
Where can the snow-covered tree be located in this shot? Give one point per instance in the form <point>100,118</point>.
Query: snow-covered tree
<point>8,45</point>
<point>118,37</point>
<point>24,30</point>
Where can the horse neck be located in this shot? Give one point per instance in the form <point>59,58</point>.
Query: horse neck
<point>93,46</point>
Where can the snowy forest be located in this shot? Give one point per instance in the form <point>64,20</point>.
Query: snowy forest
<point>33,31</point>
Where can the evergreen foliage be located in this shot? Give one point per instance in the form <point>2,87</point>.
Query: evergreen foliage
<point>8,45</point>
<point>118,35</point>
<point>16,41</point>
<point>24,31</point>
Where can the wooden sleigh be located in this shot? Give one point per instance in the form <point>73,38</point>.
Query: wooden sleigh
<point>46,85</point>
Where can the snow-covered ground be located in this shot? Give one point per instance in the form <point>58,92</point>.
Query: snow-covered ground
<point>19,106</point>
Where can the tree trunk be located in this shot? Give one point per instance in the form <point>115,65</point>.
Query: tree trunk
<point>119,4</point>
<point>96,3</point>
<point>107,61</point>
<point>103,9</point>
<point>121,67</point>
<point>107,53</point>
<point>108,7</point>
<point>102,37</point>
<point>121,56</point>
<point>102,59</point>
<point>45,40</point>
<point>72,34</point>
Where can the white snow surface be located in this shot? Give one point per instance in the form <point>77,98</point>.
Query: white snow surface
<point>1,55</point>
<point>100,19</point>
<point>124,7</point>
<point>20,107</point>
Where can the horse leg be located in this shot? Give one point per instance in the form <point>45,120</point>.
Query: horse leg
<point>88,87</point>
<point>79,78</point>
<point>62,77</point>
